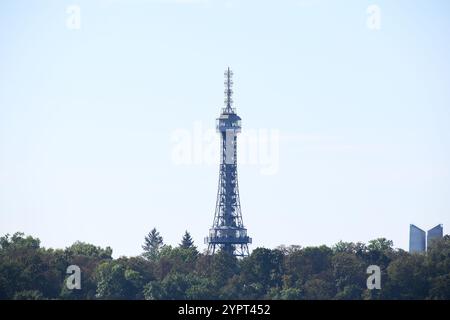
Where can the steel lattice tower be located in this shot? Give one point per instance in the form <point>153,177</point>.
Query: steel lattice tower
<point>228,232</point>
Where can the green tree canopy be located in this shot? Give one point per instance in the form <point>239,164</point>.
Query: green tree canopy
<point>86,249</point>
<point>29,271</point>
<point>152,245</point>
<point>186,241</point>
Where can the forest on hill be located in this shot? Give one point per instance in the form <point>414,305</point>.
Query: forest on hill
<point>29,271</point>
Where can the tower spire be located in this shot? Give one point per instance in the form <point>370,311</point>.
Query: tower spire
<point>228,91</point>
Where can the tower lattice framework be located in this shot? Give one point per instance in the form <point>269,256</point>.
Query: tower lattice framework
<point>228,232</point>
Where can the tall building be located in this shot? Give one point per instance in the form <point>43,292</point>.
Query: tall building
<point>434,234</point>
<point>416,239</point>
<point>228,232</point>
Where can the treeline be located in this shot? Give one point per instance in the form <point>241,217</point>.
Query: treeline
<point>29,271</point>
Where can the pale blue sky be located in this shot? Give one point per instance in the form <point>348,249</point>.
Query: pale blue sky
<point>87,116</point>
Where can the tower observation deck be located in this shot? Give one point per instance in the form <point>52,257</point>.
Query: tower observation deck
<point>228,232</point>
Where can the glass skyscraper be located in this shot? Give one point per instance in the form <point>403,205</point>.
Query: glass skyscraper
<point>416,239</point>
<point>434,234</point>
